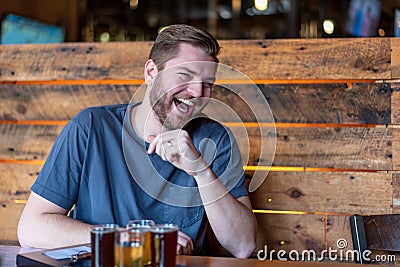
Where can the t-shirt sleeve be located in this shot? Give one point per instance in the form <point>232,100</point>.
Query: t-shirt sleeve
<point>58,180</point>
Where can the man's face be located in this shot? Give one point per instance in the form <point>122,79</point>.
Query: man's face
<point>183,88</point>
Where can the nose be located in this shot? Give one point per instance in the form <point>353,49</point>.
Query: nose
<point>196,89</point>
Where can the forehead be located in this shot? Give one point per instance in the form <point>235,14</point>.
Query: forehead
<point>192,60</point>
<point>188,53</point>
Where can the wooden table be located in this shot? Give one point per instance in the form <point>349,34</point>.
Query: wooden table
<point>8,256</point>
<point>196,261</point>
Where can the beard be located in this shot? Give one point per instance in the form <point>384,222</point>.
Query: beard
<point>165,105</point>
<point>167,114</point>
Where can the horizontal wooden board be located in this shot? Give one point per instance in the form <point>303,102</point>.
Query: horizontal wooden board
<point>17,180</point>
<point>9,214</point>
<point>395,58</point>
<point>58,102</point>
<point>344,148</point>
<point>396,149</point>
<point>396,192</point>
<point>365,103</point>
<point>395,100</point>
<point>282,232</point>
<point>27,142</point>
<point>85,61</point>
<point>341,148</point>
<point>291,232</point>
<point>361,58</point>
<point>328,192</point>
<point>330,103</point>
<point>338,235</point>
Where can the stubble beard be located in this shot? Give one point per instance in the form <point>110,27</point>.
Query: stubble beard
<point>161,106</point>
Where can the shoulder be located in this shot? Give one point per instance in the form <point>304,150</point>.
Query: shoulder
<point>91,114</point>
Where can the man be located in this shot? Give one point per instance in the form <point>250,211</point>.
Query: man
<point>106,157</point>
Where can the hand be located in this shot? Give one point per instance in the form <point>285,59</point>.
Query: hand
<point>185,244</point>
<point>177,148</point>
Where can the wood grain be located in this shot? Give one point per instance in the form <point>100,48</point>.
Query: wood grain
<point>365,103</point>
<point>287,232</point>
<point>27,142</point>
<point>58,102</point>
<point>361,58</point>
<point>395,100</point>
<point>85,61</point>
<point>338,230</point>
<point>395,58</point>
<point>9,214</point>
<point>336,103</point>
<point>20,177</point>
<point>396,148</point>
<point>318,192</point>
<point>396,192</point>
<point>383,231</point>
<point>342,148</point>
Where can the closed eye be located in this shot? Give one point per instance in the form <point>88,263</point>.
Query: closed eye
<point>185,76</point>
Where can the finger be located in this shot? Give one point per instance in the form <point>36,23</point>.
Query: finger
<point>185,236</point>
<point>150,138</point>
<point>186,243</point>
<point>161,149</point>
<point>178,249</point>
<point>153,143</point>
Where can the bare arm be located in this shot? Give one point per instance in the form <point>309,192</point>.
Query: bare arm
<point>46,225</point>
<point>232,220</point>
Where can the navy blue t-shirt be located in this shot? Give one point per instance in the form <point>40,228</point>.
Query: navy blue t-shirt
<point>99,165</point>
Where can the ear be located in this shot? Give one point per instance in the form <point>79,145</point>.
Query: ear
<point>150,71</point>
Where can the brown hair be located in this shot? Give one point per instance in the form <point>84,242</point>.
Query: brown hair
<point>166,45</point>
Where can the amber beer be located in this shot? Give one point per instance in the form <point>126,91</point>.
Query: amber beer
<point>164,238</point>
<point>147,249</point>
<point>102,242</point>
<point>128,250</point>
<point>144,225</point>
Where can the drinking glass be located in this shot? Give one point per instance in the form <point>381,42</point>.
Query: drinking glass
<point>102,243</point>
<point>164,239</point>
<point>128,248</point>
<point>145,226</point>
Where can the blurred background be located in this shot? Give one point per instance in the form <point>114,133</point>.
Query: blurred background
<point>46,21</point>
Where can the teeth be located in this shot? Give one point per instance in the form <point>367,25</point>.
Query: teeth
<point>187,102</point>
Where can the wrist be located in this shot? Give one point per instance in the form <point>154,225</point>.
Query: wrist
<point>203,176</point>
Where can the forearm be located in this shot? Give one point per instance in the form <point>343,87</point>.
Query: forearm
<point>52,230</point>
<point>233,222</point>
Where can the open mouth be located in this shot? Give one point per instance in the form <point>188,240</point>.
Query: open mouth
<point>184,105</point>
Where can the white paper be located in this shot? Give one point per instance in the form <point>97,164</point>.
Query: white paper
<point>66,253</point>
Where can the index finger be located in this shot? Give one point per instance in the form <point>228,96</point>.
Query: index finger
<point>153,143</point>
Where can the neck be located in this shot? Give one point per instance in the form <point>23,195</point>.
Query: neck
<point>143,120</point>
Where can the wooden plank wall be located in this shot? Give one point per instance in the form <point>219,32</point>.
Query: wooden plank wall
<point>334,101</point>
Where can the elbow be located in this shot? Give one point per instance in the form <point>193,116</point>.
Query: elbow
<point>23,236</point>
<point>245,250</point>
<point>25,233</point>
